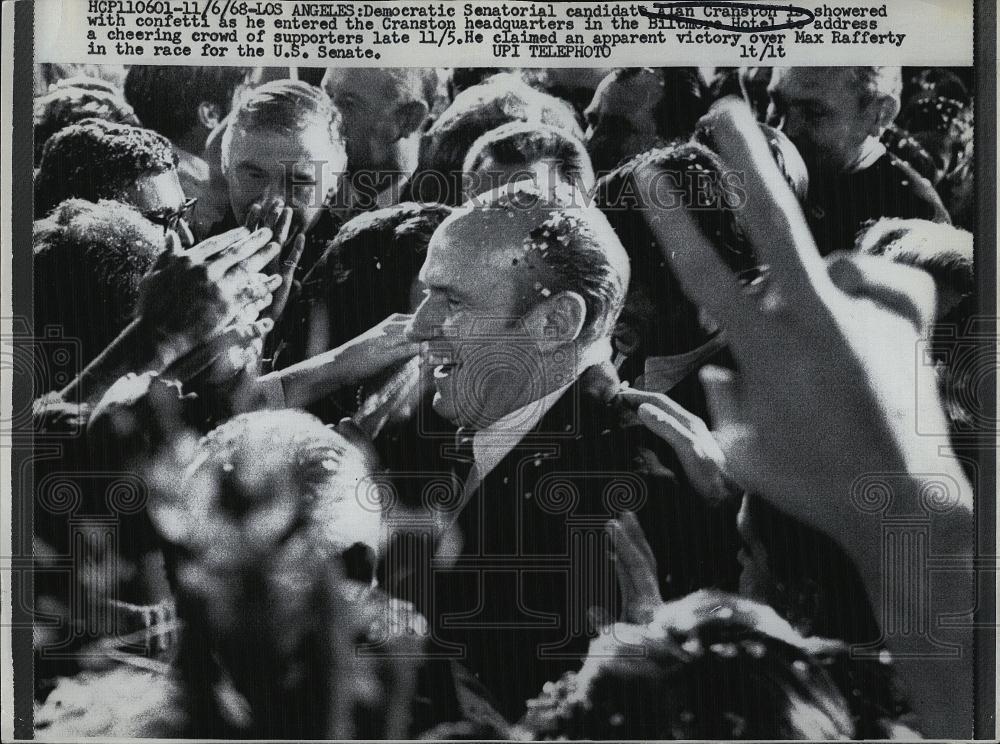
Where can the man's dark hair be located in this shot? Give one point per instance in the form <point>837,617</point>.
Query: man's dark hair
<point>709,666</point>
<point>88,261</point>
<point>498,100</point>
<point>571,248</point>
<point>684,99</point>
<point>366,273</point>
<point>72,101</point>
<point>658,319</point>
<point>96,159</point>
<point>519,144</point>
<point>166,98</point>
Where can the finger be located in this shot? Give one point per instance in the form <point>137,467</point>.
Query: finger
<point>262,258</point>
<point>253,217</point>
<point>187,237</point>
<point>173,245</point>
<point>905,290</point>
<point>630,523</point>
<point>666,426</point>
<point>199,358</point>
<point>722,395</point>
<point>706,280</point>
<point>663,403</point>
<point>638,583</point>
<point>239,251</point>
<point>771,215</point>
<point>287,277</point>
<point>283,225</point>
<point>353,433</point>
<point>218,243</point>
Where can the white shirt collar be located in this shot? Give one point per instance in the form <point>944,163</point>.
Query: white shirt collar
<point>492,444</point>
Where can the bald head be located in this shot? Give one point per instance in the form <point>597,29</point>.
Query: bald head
<point>518,288</point>
<point>519,236</point>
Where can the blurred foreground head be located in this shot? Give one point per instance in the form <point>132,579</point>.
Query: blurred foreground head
<point>88,262</point>
<point>271,548</point>
<point>97,159</point>
<point>709,666</point>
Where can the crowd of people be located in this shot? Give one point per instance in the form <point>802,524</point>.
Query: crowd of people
<point>502,403</point>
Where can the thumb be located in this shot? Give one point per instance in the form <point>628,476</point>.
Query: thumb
<point>905,290</point>
<point>722,393</point>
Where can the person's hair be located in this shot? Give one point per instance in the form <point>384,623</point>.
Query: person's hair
<point>258,533</point>
<point>166,98</point>
<point>88,261</point>
<point>96,159</point>
<point>874,83</point>
<point>573,249</point>
<point>525,143</point>
<point>934,82</point>
<point>284,106</point>
<point>943,251</point>
<point>683,102</point>
<point>73,100</point>
<point>709,666</point>
<point>49,74</point>
<point>813,584</point>
<point>367,272</point>
<point>658,319</point>
<point>501,99</point>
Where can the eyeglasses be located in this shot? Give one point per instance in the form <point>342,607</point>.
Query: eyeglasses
<point>170,218</point>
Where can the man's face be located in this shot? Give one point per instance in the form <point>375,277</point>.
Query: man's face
<point>621,120</point>
<point>368,101</point>
<point>300,167</point>
<point>821,113</point>
<point>156,192</point>
<point>477,291</point>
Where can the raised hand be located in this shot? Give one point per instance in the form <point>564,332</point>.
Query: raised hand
<point>701,457</point>
<point>827,396</point>
<point>359,359</point>
<point>191,295</point>
<point>826,391</point>
<point>635,568</point>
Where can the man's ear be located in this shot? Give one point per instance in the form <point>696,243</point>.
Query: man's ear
<point>882,113</point>
<point>558,318</point>
<point>410,117</point>
<point>209,115</point>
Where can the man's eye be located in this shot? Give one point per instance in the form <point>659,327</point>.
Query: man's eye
<point>453,303</point>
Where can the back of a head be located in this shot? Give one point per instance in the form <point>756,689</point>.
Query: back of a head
<point>709,666</point>
<point>518,147</point>
<point>499,100</point>
<point>368,271</point>
<point>658,318</point>
<point>943,251</point>
<point>258,530</point>
<point>167,98</point>
<point>96,159</point>
<point>88,261</point>
<point>67,104</point>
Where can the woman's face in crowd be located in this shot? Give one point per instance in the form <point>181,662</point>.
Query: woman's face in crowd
<point>300,167</point>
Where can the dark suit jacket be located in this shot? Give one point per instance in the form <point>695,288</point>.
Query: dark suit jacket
<point>510,604</point>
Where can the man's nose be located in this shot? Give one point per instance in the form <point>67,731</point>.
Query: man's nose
<point>425,323</point>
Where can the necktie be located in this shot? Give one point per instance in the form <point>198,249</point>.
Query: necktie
<point>464,457</point>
